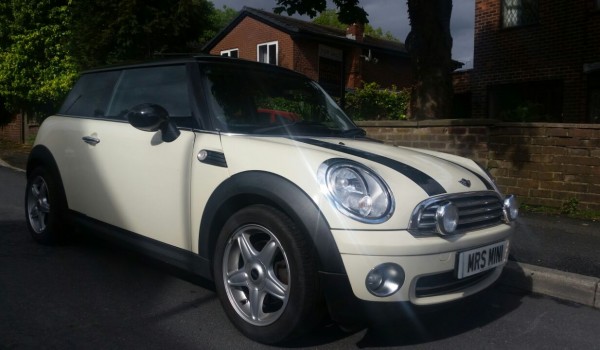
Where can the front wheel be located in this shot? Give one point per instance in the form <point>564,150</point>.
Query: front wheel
<point>43,205</point>
<point>265,275</point>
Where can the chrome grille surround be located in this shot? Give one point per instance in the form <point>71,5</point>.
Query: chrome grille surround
<point>476,210</point>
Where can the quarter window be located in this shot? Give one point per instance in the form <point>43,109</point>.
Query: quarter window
<point>165,86</point>
<point>91,95</point>
<point>267,53</point>
<point>233,53</point>
<point>519,12</point>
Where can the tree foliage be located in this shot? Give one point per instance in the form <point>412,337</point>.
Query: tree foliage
<point>349,10</point>
<point>44,43</point>
<point>36,69</point>
<point>371,102</point>
<point>330,18</point>
<point>111,31</point>
<point>218,20</point>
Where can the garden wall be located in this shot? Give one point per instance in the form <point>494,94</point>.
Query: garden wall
<point>549,164</point>
<point>13,131</point>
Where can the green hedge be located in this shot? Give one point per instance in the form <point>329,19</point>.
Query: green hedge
<point>371,102</point>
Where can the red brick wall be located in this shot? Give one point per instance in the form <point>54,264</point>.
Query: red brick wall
<point>566,36</point>
<point>461,81</point>
<point>388,71</point>
<point>250,32</point>
<point>12,131</point>
<point>546,164</point>
<point>306,55</point>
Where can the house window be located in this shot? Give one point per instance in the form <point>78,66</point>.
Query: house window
<point>233,53</point>
<point>267,53</point>
<point>519,12</point>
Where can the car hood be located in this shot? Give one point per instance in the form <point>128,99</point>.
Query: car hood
<point>434,172</point>
<point>413,175</point>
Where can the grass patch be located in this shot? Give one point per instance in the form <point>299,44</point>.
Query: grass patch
<point>569,209</point>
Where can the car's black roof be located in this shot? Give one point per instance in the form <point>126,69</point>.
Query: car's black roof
<point>192,59</point>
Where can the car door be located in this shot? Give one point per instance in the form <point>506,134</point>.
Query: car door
<point>129,178</point>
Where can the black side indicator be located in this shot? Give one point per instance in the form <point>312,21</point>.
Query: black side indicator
<point>212,158</point>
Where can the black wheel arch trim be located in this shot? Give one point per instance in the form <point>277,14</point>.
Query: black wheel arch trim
<point>41,155</point>
<point>253,187</point>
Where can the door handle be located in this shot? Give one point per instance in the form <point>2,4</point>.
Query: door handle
<point>90,140</point>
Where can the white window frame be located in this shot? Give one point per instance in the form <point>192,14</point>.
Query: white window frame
<point>268,44</point>
<point>227,53</point>
<point>522,12</point>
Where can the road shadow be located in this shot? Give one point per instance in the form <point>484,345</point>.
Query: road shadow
<point>401,326</point>
<point>446,322</point>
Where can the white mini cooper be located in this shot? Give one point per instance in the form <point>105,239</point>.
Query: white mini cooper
<point>250,175</point>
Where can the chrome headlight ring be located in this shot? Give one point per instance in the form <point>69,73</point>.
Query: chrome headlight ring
<point>356,191</point>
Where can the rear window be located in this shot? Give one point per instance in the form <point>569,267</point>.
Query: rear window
<point>112,94</point>
<point>90,95</point>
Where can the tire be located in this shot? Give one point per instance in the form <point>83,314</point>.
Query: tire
<point>44,206</point>
<point>266,277</point>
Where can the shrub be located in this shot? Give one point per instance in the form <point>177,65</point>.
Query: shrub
<point>371,102</point>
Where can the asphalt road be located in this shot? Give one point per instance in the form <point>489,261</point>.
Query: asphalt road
<point>90,294</point>
<point>558,242</point>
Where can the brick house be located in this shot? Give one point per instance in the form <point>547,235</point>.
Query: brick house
<point>335,58</point>
<point>537,60</point>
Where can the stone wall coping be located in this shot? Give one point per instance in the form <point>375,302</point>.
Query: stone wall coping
<point>552,125</point>
<point>467,122</point>
<point>426,123</point>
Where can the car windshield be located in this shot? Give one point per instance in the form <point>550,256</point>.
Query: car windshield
<point>261,102</point>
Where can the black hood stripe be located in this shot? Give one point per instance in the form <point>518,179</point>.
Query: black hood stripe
<point>427,183</point>
<point>487,184</point>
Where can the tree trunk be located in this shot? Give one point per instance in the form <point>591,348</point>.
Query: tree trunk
<point>430,47</point>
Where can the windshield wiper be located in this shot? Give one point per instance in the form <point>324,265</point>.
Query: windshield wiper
<point>355,132</point>
<point>273,128</point>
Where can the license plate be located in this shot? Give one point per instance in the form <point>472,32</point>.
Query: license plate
<point>481,259</point>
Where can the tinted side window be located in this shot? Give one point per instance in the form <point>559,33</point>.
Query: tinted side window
<point>165,86</point>
<point>90,95</point>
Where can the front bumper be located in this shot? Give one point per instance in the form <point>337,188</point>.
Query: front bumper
<point>428,263</point>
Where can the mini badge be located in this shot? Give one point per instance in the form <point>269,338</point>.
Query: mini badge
<point>465,182</point>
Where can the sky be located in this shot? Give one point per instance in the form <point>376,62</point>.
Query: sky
<point>392,15</point>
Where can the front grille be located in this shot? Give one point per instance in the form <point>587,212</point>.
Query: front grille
<point>476,210</point>
<point>446,283</point>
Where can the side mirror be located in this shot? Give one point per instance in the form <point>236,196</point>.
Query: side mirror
<point>151,117</point>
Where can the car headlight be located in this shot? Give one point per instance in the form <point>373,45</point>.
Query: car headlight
<point>356,191</point>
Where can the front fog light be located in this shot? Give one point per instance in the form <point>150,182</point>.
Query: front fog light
<point>385,279</point>
<point>511,209</point>
<point>446,218</point>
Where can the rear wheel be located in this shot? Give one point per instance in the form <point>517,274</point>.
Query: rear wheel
<point>265,274</point>
<point>43,204</point>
